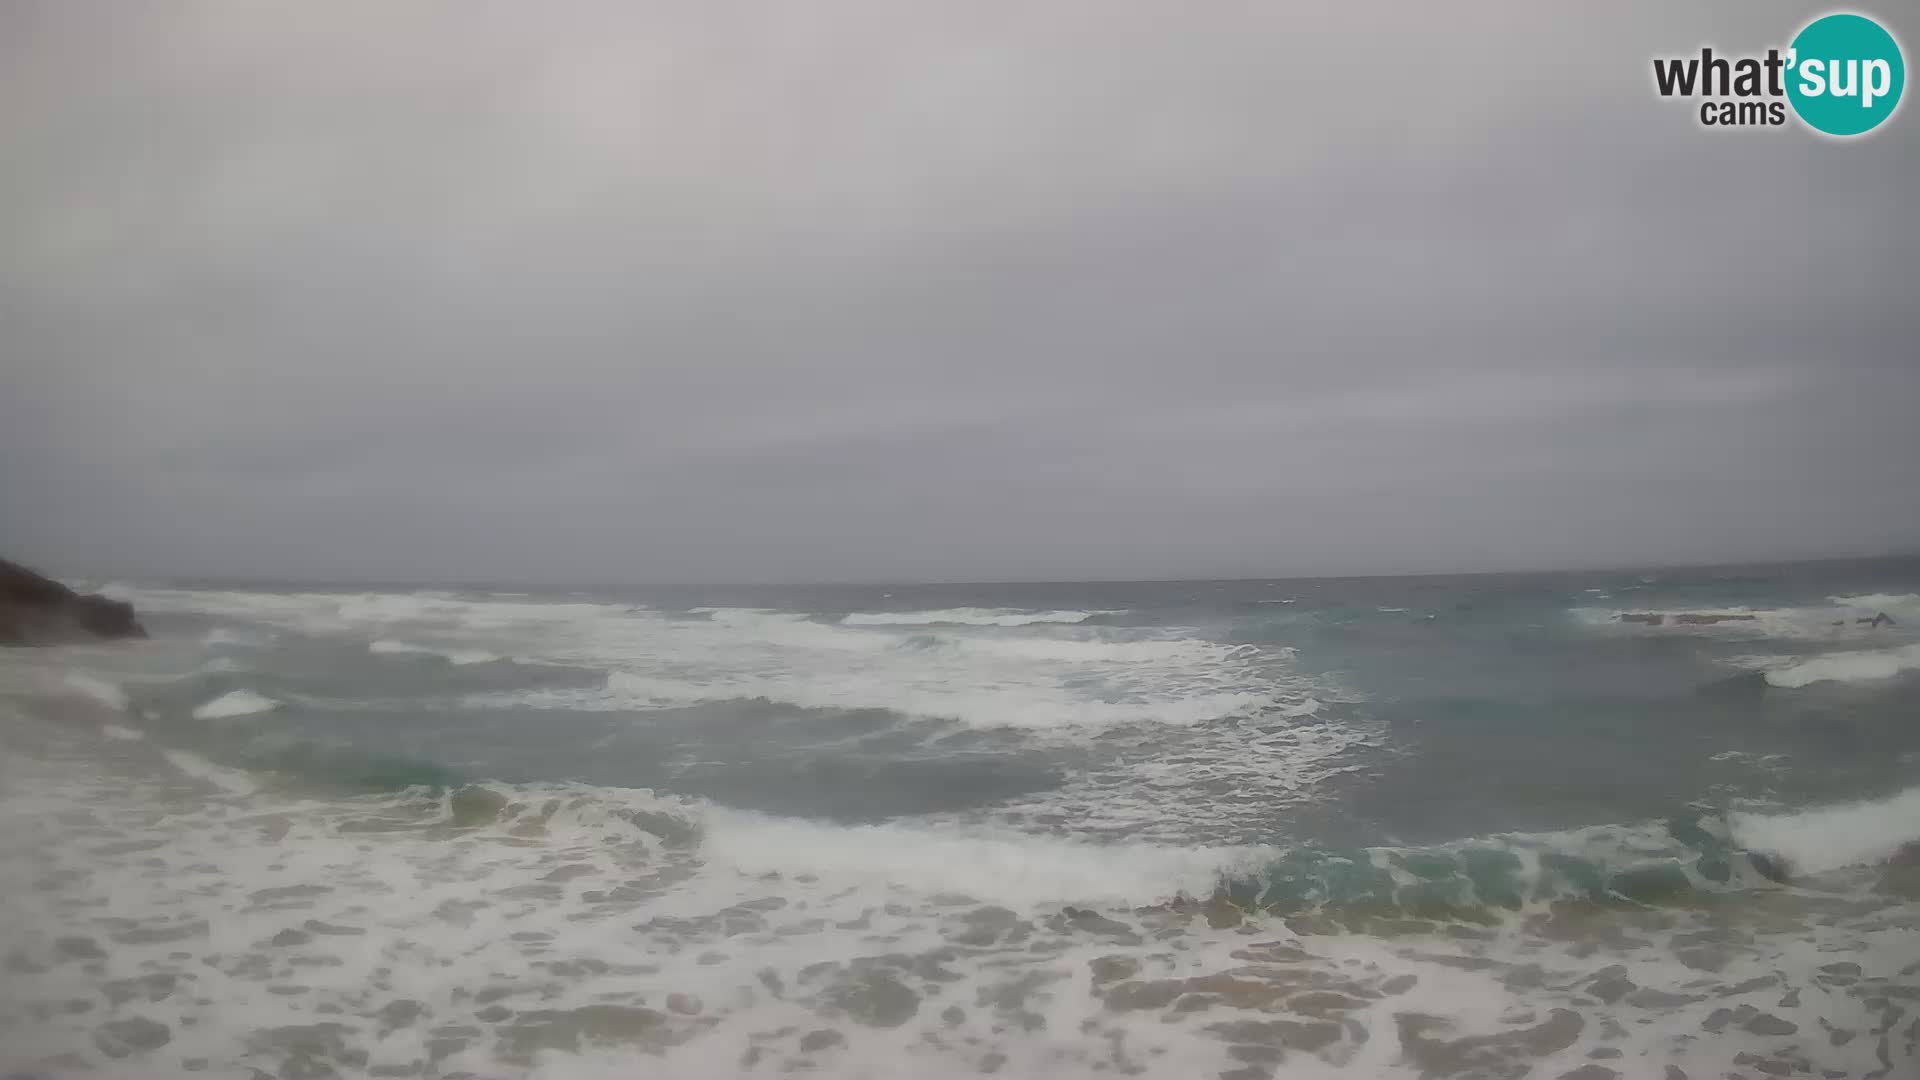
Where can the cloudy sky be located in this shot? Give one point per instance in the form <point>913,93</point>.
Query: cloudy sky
<point>875,290</point>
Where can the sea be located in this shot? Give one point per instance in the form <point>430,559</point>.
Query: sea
<point>1640,823</point>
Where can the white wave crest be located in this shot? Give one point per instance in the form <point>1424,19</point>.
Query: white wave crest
<point>455,656</point>
<point>98,690</point>
<point>1879,601</point>
<point>1036,670</point>
<point>231,781</point>
<point>1019,869</point>
<point>1843,621</point>
<point>1079,650</point>
<point>333,613</point>
<point>235,703</point>
<point>1020,707</point>
<point>1834,837</point>
<point>1871,665</point>
<point>969,616</point>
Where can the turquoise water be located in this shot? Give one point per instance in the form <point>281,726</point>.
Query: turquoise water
<point>1437,784</point>
<point>1420,710</point>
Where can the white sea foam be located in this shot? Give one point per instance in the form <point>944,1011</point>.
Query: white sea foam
<point>231,781</point>
<point>1054,677</point>
<point>1789,623</point>
<point>971,616</point>
<point>1776,763</point>
<point>333,613</point>
<point>235,703</point>
<point>1054,682</point>
<point>992,864</point>
<point>566,903</point>
<point>97,689</point>
<point>1831,838</point>
<point>124,734</point>
<point>1875,602</point>
<point>388,645</point>
<point>1142,787</point>
<point>1024,706</point>
<point>720,956</point>
<point>455,656</point>
<point>1842,620</point>
<point>1871,665</point>
<point>1041,671</point>
<point>1082,650</point>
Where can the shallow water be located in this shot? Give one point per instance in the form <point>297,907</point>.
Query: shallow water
<point>1386,827</point>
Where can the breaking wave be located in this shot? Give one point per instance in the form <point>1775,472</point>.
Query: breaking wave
<point>987,668</point>
<point>230,781</point>
<point>1872,665</point>
<point>235,703</point>
<point>459,657</point>
<point>1891,603</point>
<point>1833,837</point>
<point>968,617</point>
<point>1656,863</point>
<point>1849,617</point>
<point>1019,707</point>
<point>98,690</point>
<point>1673,861</point>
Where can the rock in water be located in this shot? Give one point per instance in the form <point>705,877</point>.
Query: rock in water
<point>1772,867</point>
<point>36,610</point>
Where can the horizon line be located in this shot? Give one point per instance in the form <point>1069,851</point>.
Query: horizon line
<point>504,584</point>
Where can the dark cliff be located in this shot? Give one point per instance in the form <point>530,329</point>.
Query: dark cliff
<point>36,610</point>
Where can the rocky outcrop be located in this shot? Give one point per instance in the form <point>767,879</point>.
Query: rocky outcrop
<point>36,610</point>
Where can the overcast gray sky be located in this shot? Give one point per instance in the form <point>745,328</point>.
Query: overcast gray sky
<point>893,291</point>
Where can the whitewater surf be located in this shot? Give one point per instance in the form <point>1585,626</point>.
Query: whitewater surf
<point>1378,827</point>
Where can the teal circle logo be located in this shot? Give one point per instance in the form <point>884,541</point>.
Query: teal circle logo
<point>1845,74</point>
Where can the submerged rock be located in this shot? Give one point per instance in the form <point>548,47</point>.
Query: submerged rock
<point>36,610</point>
<point>1771,866</point>
<point>474,806</point>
